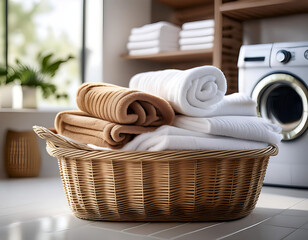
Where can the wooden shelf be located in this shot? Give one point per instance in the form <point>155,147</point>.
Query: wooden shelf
<point>253,9</point>
<point>184,3</point>
<point>228,16</point>
<point>178,56</point>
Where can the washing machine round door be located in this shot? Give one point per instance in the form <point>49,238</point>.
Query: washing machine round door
<point>282,98</point>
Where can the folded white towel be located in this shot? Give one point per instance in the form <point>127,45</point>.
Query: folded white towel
<point>173,138</point>
<point>236,104</point>
<point>196,40</point>
<point>241,127</point>
<point>193,92</point>
<point>155,26</point>
<point>160,34</point>
<point>154,50</point>
<point>196,46</point>
<point>197,33</point>
<point>151,44</point>
<point>198,24</point>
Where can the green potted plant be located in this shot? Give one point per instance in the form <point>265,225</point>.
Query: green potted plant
<point>30,78</point>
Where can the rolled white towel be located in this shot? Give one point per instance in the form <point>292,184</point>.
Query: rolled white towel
<point>173,138</point>
<point>151,44</point>
<point>193,92</point>
<point>197,33</point>
<point>196,46</point>
<point>241,127</point>
<point>198,24</point>
<point>196,40</point>
<point>155,26</point>
<point>160,34</point>
<point>154,50</point>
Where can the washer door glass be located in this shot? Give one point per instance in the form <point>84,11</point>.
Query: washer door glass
<point>282,98</point>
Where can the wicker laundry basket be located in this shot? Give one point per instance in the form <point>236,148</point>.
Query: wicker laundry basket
<point>22,156</point>
<point>208,185</point>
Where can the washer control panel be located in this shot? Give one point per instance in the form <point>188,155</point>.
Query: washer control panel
<point>290,54</point>
<point>284,55</point>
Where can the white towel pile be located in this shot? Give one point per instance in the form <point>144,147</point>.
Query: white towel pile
<point>153,38</point>
<point>208,119</point>
<point>197,35</point>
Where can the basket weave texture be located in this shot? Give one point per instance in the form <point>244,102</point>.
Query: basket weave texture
<point>22,156</point>
<point>210,185</point>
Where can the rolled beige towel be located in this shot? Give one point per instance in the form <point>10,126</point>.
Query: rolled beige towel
<point>122,105</point>
<point>87,129</point>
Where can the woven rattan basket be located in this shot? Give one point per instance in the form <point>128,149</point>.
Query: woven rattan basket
<point>158,186</point>
<point>22,156</point>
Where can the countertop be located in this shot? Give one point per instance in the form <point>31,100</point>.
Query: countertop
<point>37,209</point>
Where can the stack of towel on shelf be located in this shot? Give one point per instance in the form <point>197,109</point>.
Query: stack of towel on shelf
<point>197,35</point>
<point>153,38</point>
<point>110,116</point>
<point>142,117</point>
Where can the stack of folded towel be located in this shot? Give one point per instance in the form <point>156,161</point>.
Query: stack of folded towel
<point>153,38</point>
<point>197,35</point>
<point>110,116</point>
<point>207,119</point>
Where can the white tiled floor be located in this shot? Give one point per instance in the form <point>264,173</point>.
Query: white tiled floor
<point>36,209</point>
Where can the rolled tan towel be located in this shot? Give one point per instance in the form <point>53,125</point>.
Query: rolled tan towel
<point>122,105</point>
<point>87,129</point>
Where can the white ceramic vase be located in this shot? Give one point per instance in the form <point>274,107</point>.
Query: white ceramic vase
<point>6,96</point>
<point>29,97</point>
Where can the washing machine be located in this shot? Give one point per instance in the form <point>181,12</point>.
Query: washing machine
<point>276,76</point>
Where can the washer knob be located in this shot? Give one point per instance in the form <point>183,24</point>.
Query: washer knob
<point>283,56</point>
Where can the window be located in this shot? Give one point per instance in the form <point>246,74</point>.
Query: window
<point>48,26</point>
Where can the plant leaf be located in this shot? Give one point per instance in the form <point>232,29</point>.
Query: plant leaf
<point>45,62</point>
<point>52,67</point>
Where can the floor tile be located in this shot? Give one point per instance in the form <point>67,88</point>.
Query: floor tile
<point>65,222</point>
<point>95,233</point>
<point>184,229</point>
<point>299,234</point>
<point>278,198</point>
<point>293,212</point>
<point>120,226</point>
<point>267,212</point>
<point>262,232</point>
<point>23,231</point>
<point>303,205</point>
<point>153,228</point>
<point>305,226</point>
<point>223,229</point>
<point>287,221</point>
<point>299,209</point>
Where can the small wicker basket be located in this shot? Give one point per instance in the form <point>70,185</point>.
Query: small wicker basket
<point>208,185</point>
<point>22,156</point>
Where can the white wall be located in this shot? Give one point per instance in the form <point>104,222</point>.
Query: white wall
<point>119,17</point>
<point>281,29</point>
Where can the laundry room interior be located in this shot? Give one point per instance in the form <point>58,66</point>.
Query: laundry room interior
<point>153,119</point>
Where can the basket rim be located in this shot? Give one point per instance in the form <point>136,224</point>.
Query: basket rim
<point>59,146</point>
